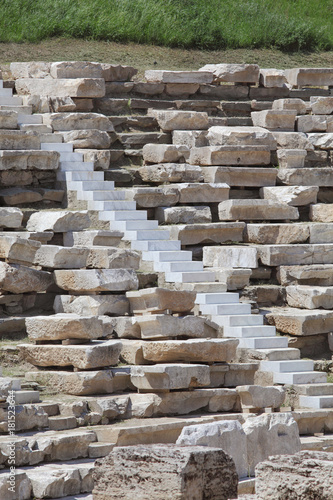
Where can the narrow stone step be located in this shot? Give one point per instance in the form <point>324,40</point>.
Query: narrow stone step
<point>90,185</point>
<point>70,156</point>
<point>317,390</point>
<point>23,110</point>
<point>61,147</point>
<point>155,245</point>
<point>216,298</point>
<point>316,401</point>
<point>238,319</point>
<point>264,343</point>
<point>103,195</point>
<point>24,397</point>
<point>11,101</point>
<point>278,354</point>
<point>66,166</point>
<point>80,176</point>
<point>29,119</point>
<point>121,215</point>
<point>5,92</point>
<point>167,256</point>
<point>300,365</point>
<point>61,423</point>
<point>111,205</point>
<point>98,450</point>
<point>146,235</point>
<point>181,266</point>
<point>292,378</point>
<point>190,277</point>
<point>134,225</point>
<point>226,309</point>
<point>249,331</point>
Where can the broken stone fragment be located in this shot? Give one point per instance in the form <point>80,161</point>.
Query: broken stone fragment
<point>239,73</point>
<point>58,221</point>
<point>162,326</point>
<point>170,172</point>
<point>96,280</point>
<point>20,279</point>
<point>95,305</point>
<point>160,299</point>
<point>164,377</point>
<point>10,217</point>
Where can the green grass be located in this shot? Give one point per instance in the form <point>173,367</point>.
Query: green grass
<point>289,25</point>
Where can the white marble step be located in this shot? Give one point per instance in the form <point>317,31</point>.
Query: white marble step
<point>26,397</point>
<point>29,119</point>
<point>24,110</point>
<point>249,331</point>
<point>90,185</point>
<point>146,234</point>
<point>10,101</point>
<point>190,277</point>
<point>181,266</point>
<point>225,309</point>
<point>292,378</point>
<point>75,166</point>
<point>316,401</point>
<point>167,256</point>
<point>120,215</point>
<point>40,129</point>
<point>155,245</point>
<point>238,320</point>
<point>61,147</point>
<point>264,343</point>
<point>112,194</point>
<point>68,156</point>
<point>81,176</point>
<point>6,92</point>
<point>1,84</point>
<point>216,298</point>
<point>130,225</point>
<point>111,205</point>
<point>298,365</point>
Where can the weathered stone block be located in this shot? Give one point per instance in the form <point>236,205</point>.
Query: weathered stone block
<point>57,257</point>
<point>21,279</point>
<point>18,139</point>
<point>180,120</point>
<point>18,250</point>
<point>112,258</point>
<point>321,177</point>
<point>75,69</point>
<point>164,153</point>
<point>190,138</point>
<point>75,383</point>
<point>77,121</point>
<point>23,160</point>
<point>96,280</point>
<point>162,326</point>
<point>290,104</point>
<point>292,140</point>
<point>202,192</point>
<point>89,139</point>
<point>230,256</point>
<point>93,238</point>
<point>240,136</point>
<point>217,232</point>
<point>183,215</point>
<point>31,69</point>
<point>117,73</point>
<point>239,73</point>
<point>10,217</point>
<point>148,197</point>
<point>321,105</point>
<point>301,322</point>
<point>244,177</point>
<point>178,76</point>
<point>77,87</point>
<point>294,196</point>
<point>170,172</point>
<point>272,78</point>
<point>95,305</point>
<point>291,158</point>
<point>58,221</point>
<point>321,212</point>
<point>274,119</point>
<point>256,210</point>
<point>310,297</point>
<point>270,234</point>
<point>255,396</point>
<point>64,326</point>
<point>314,77</point>
<point>230,155</point>
<point>320,274</point>
<point>160,299</point>
<point>164,377</point>
<point>311,123</point>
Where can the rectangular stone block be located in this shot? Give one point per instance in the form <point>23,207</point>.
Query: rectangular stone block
<point>274,119</point>
<point>162,326</point>
<point>322,177</point>
<point>309,297</point>
<point>294,196</point>
<point>170,172</point>
<point>75,383</point>
<point>183,215</point>
<point>314,77</point>
<point>315,274</point>
<point>291,158</point>
<point>179,76</point>
<point>240,136</point>
<point>292,140</point>
<point>96,280</point>
<point>321,105</point>
<point>64,326</point>
<point>217,232</point>
<point>164,153</point>
<point>164,377</point>
<point>272,78</point>
<point>190,138</point>
<point>280,255</point>
<point>239,73</point>
<point>180,120</point>
<point>76,69</point>
<point>271,234</point>
<point>77,121</point>
<point>66,87</point>
<point>256,210</point>
<point>202,192</point>
<point>229,256</point>
<point>300,321</point>
<point>243,177</point>
<point>17,139</point>
<point>95,305</point>
<point>322,212</point>
<point>293,104</point>
<point>230,155</point>
<point>156,300</point>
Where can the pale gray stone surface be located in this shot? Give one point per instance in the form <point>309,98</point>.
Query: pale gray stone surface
<point>272,78</point>
<point>21,279</point>
<point>96,280</point>
<point>230,155</point>
<point>256,210</point>
<point>64,326</point>
<point>77,87</point>
<point>164,377</point>
<point>180,120</point>
<point>164,153</point>
<point>230,256</point>
<point>321,105</point>
<point>293,104</point>
<point>274,119</point>
<point>77,121</point>
<point>214,232</point>
<point>178,76</point>
<point>58,221</point>
<point>310,297</point>
<point>240,136</point>
<point>291,158</point>
<point>183,215</point>
<point>294,196</point>
<point>171,172</point>
<point>239,73</point>
<point>10,217</point>
<point>95,305</point>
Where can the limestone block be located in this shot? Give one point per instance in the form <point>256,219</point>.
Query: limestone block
<point>10,217</point>
<point>160,299</point>
<point>64,326</point>
<point>291,158</point>
<point>202,192</point>
<point>190,351</point>
<point>8,120</point>
<point>305,474</point>
<point>94,305</point>
<point>230,155</point>
<point>23,160</point>
<point>61,104</point>
<point>292,140</point>
<point>310,297</point>
<point>164,153</point>
<point>274,119</point>
<point>164,377</point>
<point>256,210</point>
<point>75,383</point>
<point>100,158</point>
<point>217,232</point>
<point>17,196</point>
<point>57,257</point>
<point>321,212</point>
<point>126,327</point>
<point>320,274</point>
<point>91,238</point>
<point>77,121</point>
<point>237,256</point>
<point>190,138</point>
<point>96,280</point>
<point>77,87</point>
<point>314,77</point>
<point>89,139</point>
<point>321,177</point>
<point>277,434</point>
<point>180,120</point>
<point>178,76</point>
<point>83,357</point>
<point>321,141</point>
<point>311,123</point>
<point>243,177</point>
<point>301,322</point>
<point>290,104</point>
<point>170,172</point>
<point>18,139</point>
<point>239,73</point>
<point>112,258</point>
<point>240,136</point>
<point>272,78</point>
<point>148,197</point>
<point>117,72</point>
<point>271,234</point>
<point>256,396</point>
<point>31,69</point>
<point>131,354</point>
<point>18,250</point>
<point>233,278</point>
<point>174,472</point>
<point>21,486</point>
<point>181,89</point>
<point>321,105</point>
<point>183,215</point>
<point>228,435</point>
<point>295,254</point>
<point>162,326</point>
<point>59,221</point>
<point>21,279</point>
<point>75,69</point>
<point>321,233</point>
<point>294,196</point>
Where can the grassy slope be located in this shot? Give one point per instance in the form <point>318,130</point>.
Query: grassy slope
<point>210,24</point>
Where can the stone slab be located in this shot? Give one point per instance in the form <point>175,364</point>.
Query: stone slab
<point>217,232</point>
<point>160,299</point>
<point>242,177</point>
<point>64,326</point>
<point>170,172</point>
<point>178,76</point>
<point>96,280</point>
<point>256,210</point>
<point>77,87</point>
<point>162,326</point>
<point>239,73</point>
<point>230,155</point>
<point>164,377</point>
<point>301,322</point>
